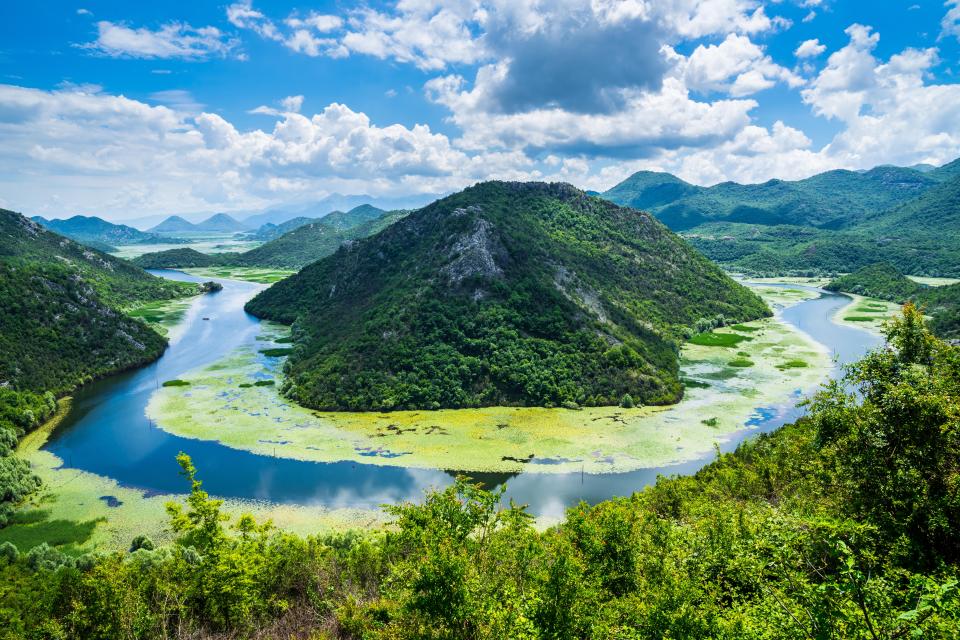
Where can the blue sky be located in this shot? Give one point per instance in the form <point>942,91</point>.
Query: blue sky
<point>127,109</point>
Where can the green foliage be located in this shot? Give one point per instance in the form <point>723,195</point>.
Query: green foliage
<point>880,280</point>
<point>627,401</point>
<point>884,281</point>
<point>834,222</point>
<point>503,294</point>
<point>277,352</point>
<point>842,525</point>
<point>718,339</point>
<point>176,383</point>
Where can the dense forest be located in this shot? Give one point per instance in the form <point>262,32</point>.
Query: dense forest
<point>884,281</point>
<point>506,293</point>
<point>842,525</point>
<point>299,246</point>
<point>833,222</point>
<point>61,325</point>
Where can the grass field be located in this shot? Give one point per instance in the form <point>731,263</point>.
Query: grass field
<point>250,274</point>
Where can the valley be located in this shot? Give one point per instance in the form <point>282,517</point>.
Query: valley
<point>312,471</point>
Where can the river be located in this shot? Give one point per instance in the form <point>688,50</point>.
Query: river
<point>107,431</point>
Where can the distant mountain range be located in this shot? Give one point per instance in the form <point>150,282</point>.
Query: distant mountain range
<point>303,244</point>
<point>336,202</point>
<point>100,234</point>
<point>834,221</point>
<point>217,223</point>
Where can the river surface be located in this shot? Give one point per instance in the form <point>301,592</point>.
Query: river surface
<point>107,431</point>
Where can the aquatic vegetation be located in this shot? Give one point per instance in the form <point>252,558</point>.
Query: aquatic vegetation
<point>176,383</point>
<point>741,362</point>
<point>716,339</point>
<point>225,405</point>
<point>277,352</point>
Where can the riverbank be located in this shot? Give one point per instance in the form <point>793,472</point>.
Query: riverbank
<point>81,512</point>
<point>235,402</point>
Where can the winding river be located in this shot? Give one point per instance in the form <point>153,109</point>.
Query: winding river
<point>107,431</point>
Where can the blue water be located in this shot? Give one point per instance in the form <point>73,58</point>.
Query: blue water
<point>107,431</point>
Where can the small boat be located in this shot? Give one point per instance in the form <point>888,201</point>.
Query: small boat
<point>206,318</point>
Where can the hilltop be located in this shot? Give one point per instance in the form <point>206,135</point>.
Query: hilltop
<point>217,223</point>
<point>505,293</point>
<point>101,234</point>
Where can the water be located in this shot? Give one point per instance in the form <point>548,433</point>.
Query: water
<point>107,431</point>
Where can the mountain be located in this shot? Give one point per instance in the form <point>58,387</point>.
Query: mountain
<point>503,294</point>
<point>184,258</point>
<point>294,249</point>
<point>831,200</point>
<point>335,202</point>
<point>317,239</point>
<point>221,222</point>
<point>269,230</point>
<point>837,221</point>
<point>174,224</point>
<point>62,322</point>
<point>99,233</point>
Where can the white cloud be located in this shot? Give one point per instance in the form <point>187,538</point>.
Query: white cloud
<point>84,12</point>
<point>736,65</point>
<point>174,40</point>
<point>79,150</point>
<point>950,25</point>
<point>178,99</point>
<point>810,49</point>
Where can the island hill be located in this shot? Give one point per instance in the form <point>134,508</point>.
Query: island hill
<point>503,294</point>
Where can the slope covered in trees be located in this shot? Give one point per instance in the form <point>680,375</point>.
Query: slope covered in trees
<point>94,231</point>
<point>506,293</point>
<point>843,525</point>
<point>61,324</point>
<point>838,221</point>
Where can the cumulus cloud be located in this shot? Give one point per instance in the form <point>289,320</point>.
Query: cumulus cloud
<point>174,40</point>
<point>116,156</point>
<point>810,49</point>
<point>736,66</point>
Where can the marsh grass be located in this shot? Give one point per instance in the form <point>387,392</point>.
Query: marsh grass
<point>718,339</point>
<point>176,383</point>
<point>30,528</point>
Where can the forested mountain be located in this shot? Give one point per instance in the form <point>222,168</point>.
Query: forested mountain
<point>301,246</point>
<point>61,324</point>
<point>832,200</point>
<point>505,293</point>
<point>269,231</point>
<point>98,233</point>
<point>833,222</point>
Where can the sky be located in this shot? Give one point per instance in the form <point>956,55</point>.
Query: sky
<point>129,109</point>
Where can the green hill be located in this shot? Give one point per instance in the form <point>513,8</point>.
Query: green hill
<point>97,232</point>
<point>880,280</point>
<point>269,231</point>
<point>832,222</point>
<point>884,281</point>
<point>505,293</point>
<point>301,246</point>
<point>831,200</point>
<point>61,321</point>
<point>220,223</point>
